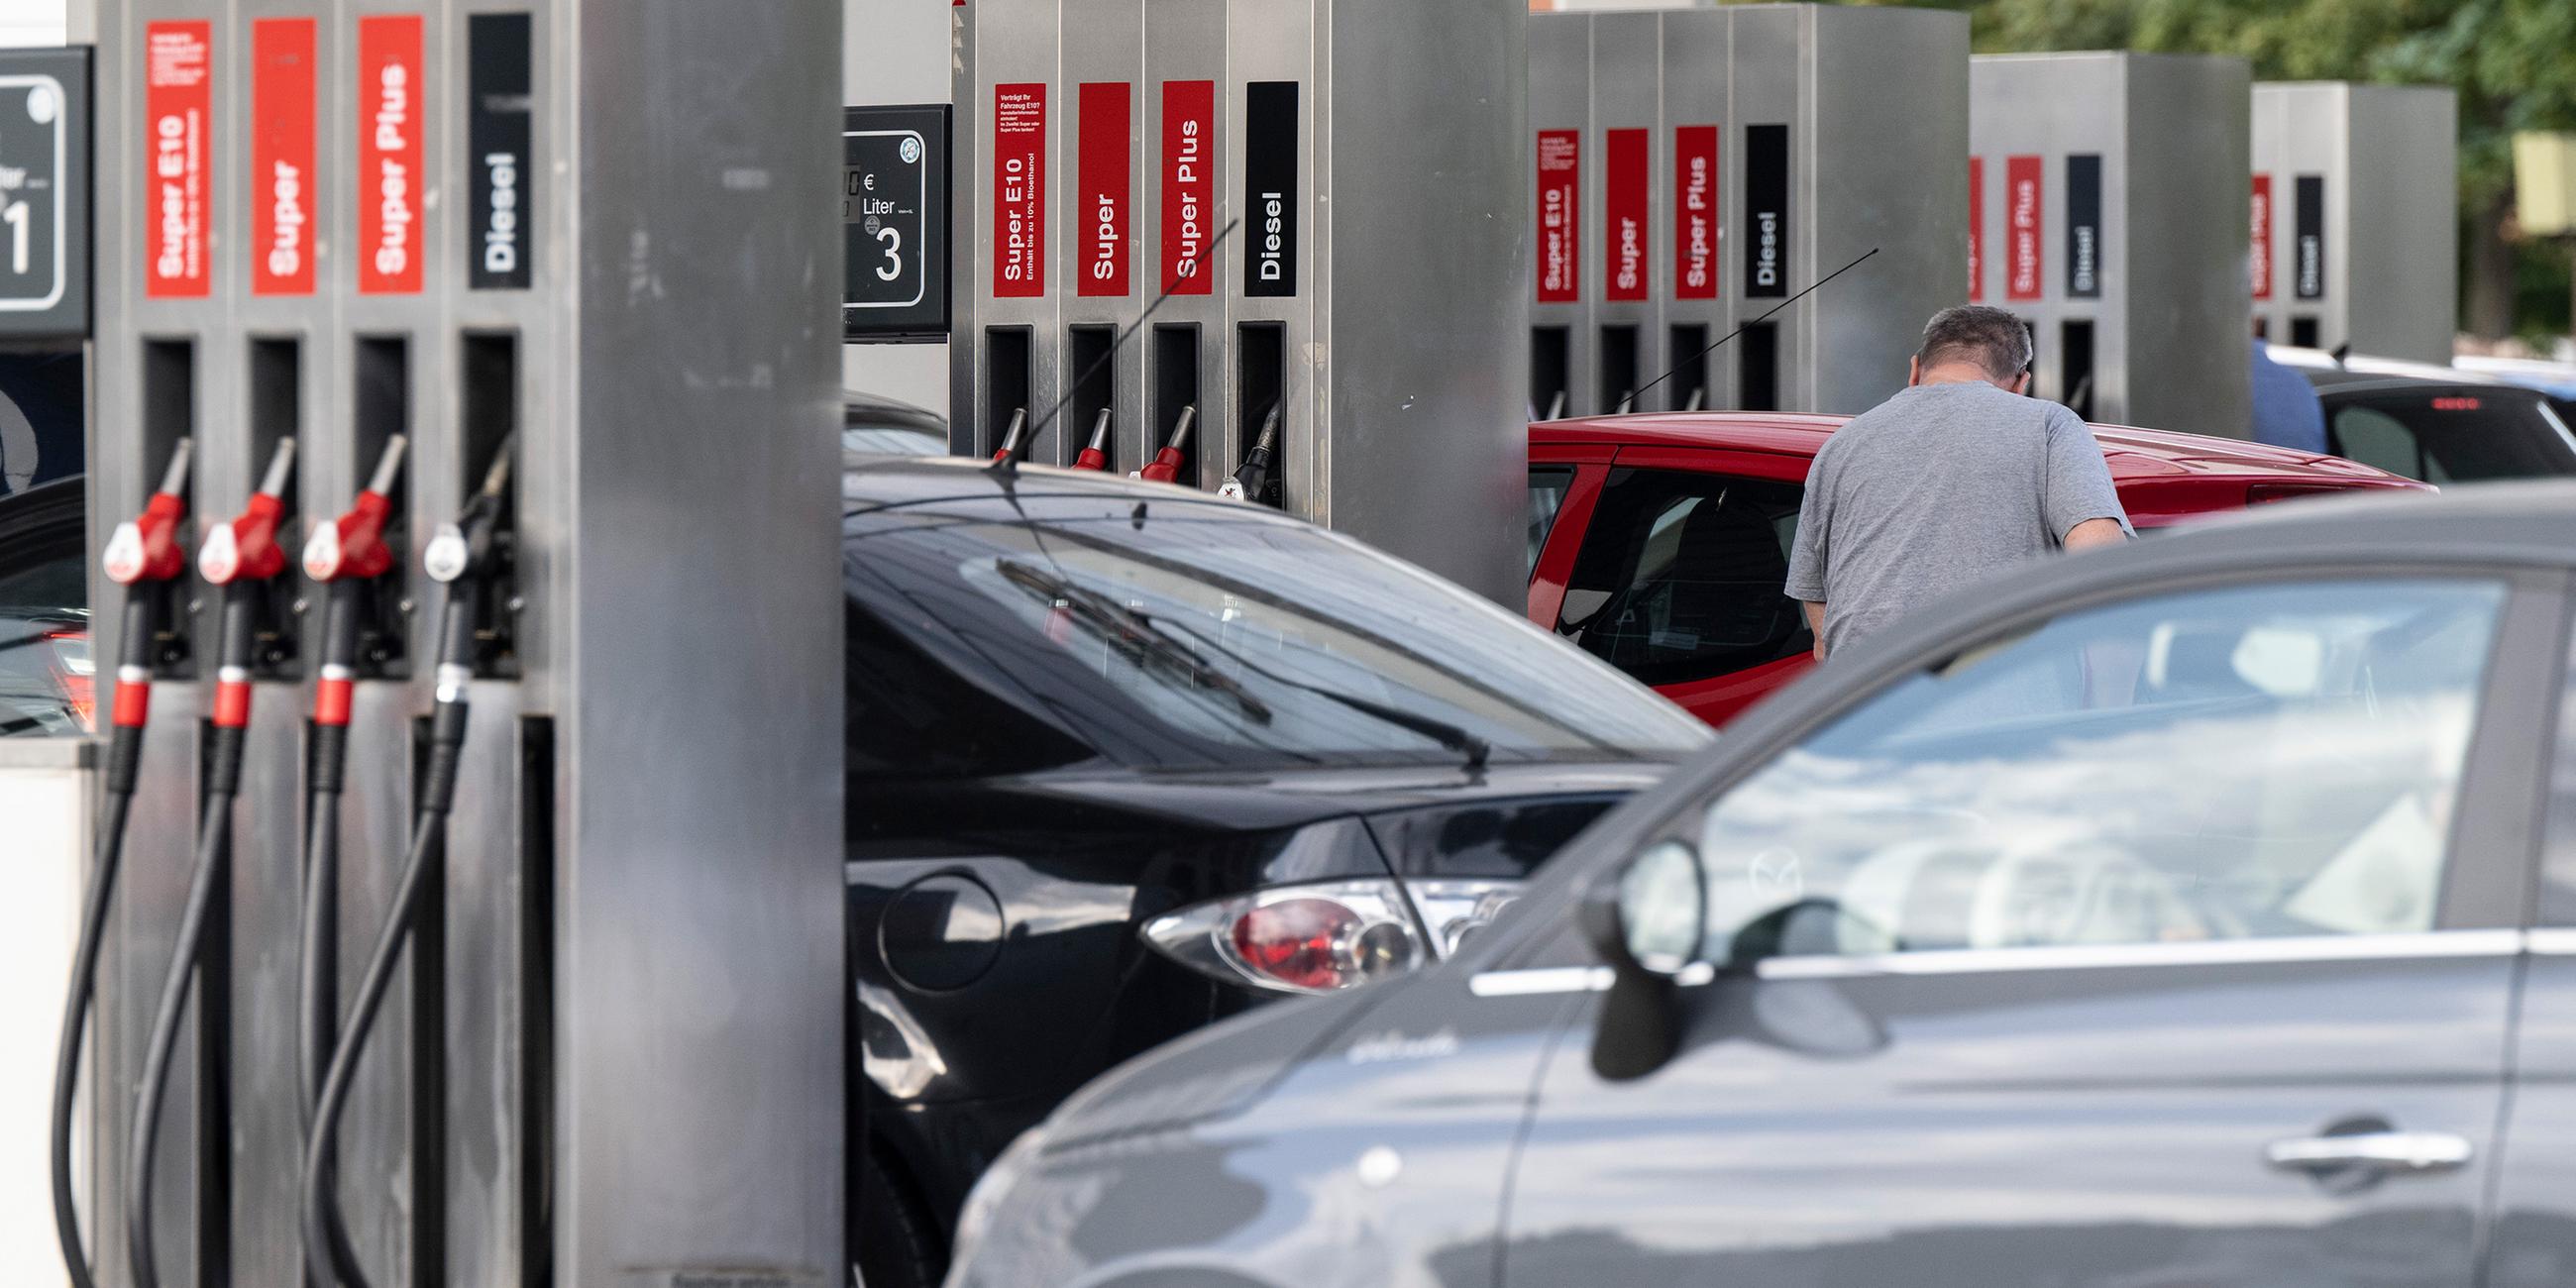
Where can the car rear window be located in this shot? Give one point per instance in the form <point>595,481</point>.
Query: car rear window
<point>2453,436</point>
<point>1196,638</point>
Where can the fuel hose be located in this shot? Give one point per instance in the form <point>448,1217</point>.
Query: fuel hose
<point>144,557</point>
<point>459,557</point>
<point>242,557</point>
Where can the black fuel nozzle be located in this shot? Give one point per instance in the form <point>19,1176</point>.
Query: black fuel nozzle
<point>465,549</point>
<point>1257,480</point>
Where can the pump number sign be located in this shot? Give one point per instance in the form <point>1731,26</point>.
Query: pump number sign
<point>44,193</point>
<point>894,206</point>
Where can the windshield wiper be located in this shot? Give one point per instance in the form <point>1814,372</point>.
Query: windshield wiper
<point>1476,750</point>
<point>1131,633</point>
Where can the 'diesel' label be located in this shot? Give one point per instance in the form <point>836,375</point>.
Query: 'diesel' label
<point>2309,196</point>
<point>1270,188</point>
<point>500,252</point>
<point>284,190</point>
<point>2084,226</point>
<point>390,180</point>
<point>1766,210</point>
<point>178,100</point>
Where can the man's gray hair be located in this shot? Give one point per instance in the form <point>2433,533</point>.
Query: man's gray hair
<point>1993,339</point>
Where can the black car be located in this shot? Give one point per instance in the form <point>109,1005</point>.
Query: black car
<point>1125,759</point>
<point>2451,428</point>
<point>876,425</point>
<point>2199,913</point>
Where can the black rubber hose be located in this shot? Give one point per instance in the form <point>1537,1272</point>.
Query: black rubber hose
<point>318,952</point>
<point>429,832</point>
<point>116,802</point>
<point>214,851</point>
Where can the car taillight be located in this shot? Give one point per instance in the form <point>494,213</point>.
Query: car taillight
<point>75,673</point>
<point>1328,936</point>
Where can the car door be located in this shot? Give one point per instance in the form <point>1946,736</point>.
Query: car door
<point>1678,582</point>
<point>2535,1231</point>
<point>2165,941</point>
<point>1564,482</point>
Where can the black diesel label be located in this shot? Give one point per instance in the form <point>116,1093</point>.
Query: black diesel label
<point>1270,188</point>
<point>2310,203</point>
<point>500,104</point>
<point>2084,226</point>
<point>1766,210</point>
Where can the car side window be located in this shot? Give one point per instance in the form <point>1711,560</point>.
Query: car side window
<point>1548,485</point>
<point>2558,865</point>
<point>2377,439</point>
<point>2250,762</point>
<point>1680,576</point>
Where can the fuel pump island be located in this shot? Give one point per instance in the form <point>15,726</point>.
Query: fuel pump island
<point>459,917</point>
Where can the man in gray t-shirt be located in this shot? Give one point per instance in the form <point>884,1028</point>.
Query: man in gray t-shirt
<point>1945,484</point>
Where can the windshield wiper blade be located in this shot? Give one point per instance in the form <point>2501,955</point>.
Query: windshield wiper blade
<point>1476,750</point>
<point>1131,632</point>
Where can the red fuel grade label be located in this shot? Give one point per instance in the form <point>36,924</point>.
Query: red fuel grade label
<point>1101,178</point>
<point>282,185</point>
<point>1019,190</point>
<point>1624,214</point>
<point>389,125</point>
<point>1695,212</point>
<point>1976,230</point>
<point>2262,237</point>
<point>178,101</point>
<point>1560,219</point>
<point>2022,218</point>
<point>1188,166</point>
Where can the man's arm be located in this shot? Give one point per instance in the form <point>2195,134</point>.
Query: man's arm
<point>1815,625</point>
<point>2094,532</point>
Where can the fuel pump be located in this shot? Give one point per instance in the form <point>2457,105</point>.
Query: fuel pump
<point>145,558</point>
<point>461,556</point>
<point>1174,453</point>
<point>1255,481</point>
<point>242,557</point>
<point>1096,455</point>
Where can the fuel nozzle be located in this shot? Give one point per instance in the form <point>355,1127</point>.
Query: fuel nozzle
<point>1009,452</point>
<point>464,547</point>
<point>1096,456</point>
<point>146,547</point>
<point>247,547</point>
<point>1256,481</point>
<point>353,545</point>
<point>1174,453</point>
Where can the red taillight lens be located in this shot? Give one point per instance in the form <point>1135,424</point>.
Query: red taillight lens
<point>75,674</point>
<point>1299,942</point>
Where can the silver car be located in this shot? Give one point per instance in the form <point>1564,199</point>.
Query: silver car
<point>2201,913</point>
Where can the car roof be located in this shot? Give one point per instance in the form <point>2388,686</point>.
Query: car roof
<point>860,409</point>
<point>2318,365</point>
<point>2132,453</point>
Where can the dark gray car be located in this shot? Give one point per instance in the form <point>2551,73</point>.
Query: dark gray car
<point>2201,913</point>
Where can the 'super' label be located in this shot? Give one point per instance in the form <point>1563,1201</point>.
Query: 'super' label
<point>1695,196</point>
<point>1624,214</point>
<point>390,177</point>
<point>1976,230</point>
<point>1560,216</point>
<point>178,102</point>
<point>1188,166</point>
<point>1019,190</point>
<point>2261,234</point>
<point>283,188</point>
<point>1101,183</point>
<point>2022,217</point>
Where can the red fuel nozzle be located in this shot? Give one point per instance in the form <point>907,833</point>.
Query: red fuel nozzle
<point>1096,456</point>
<point>1010,448</point>
<point>247,547</point>
<point>146,547</point>
<point>1166,465</point>
<point>353,545</point>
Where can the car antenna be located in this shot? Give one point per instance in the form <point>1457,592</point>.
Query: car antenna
<point>1008,460</point>
<point>1639,394</point>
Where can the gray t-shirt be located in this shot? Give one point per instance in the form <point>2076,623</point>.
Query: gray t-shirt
<point>1938,488</point>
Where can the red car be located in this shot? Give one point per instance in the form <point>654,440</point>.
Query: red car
<point>1659,542</point>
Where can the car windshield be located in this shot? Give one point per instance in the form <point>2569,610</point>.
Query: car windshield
<point>46,672</point>
<point>2454,435</point>
<point>1196,638</point>
<point>892,440</point>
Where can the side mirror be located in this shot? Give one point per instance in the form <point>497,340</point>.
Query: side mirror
<point>1648,921</point>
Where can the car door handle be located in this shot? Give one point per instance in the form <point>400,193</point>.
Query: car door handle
<point>2395,1151</point>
